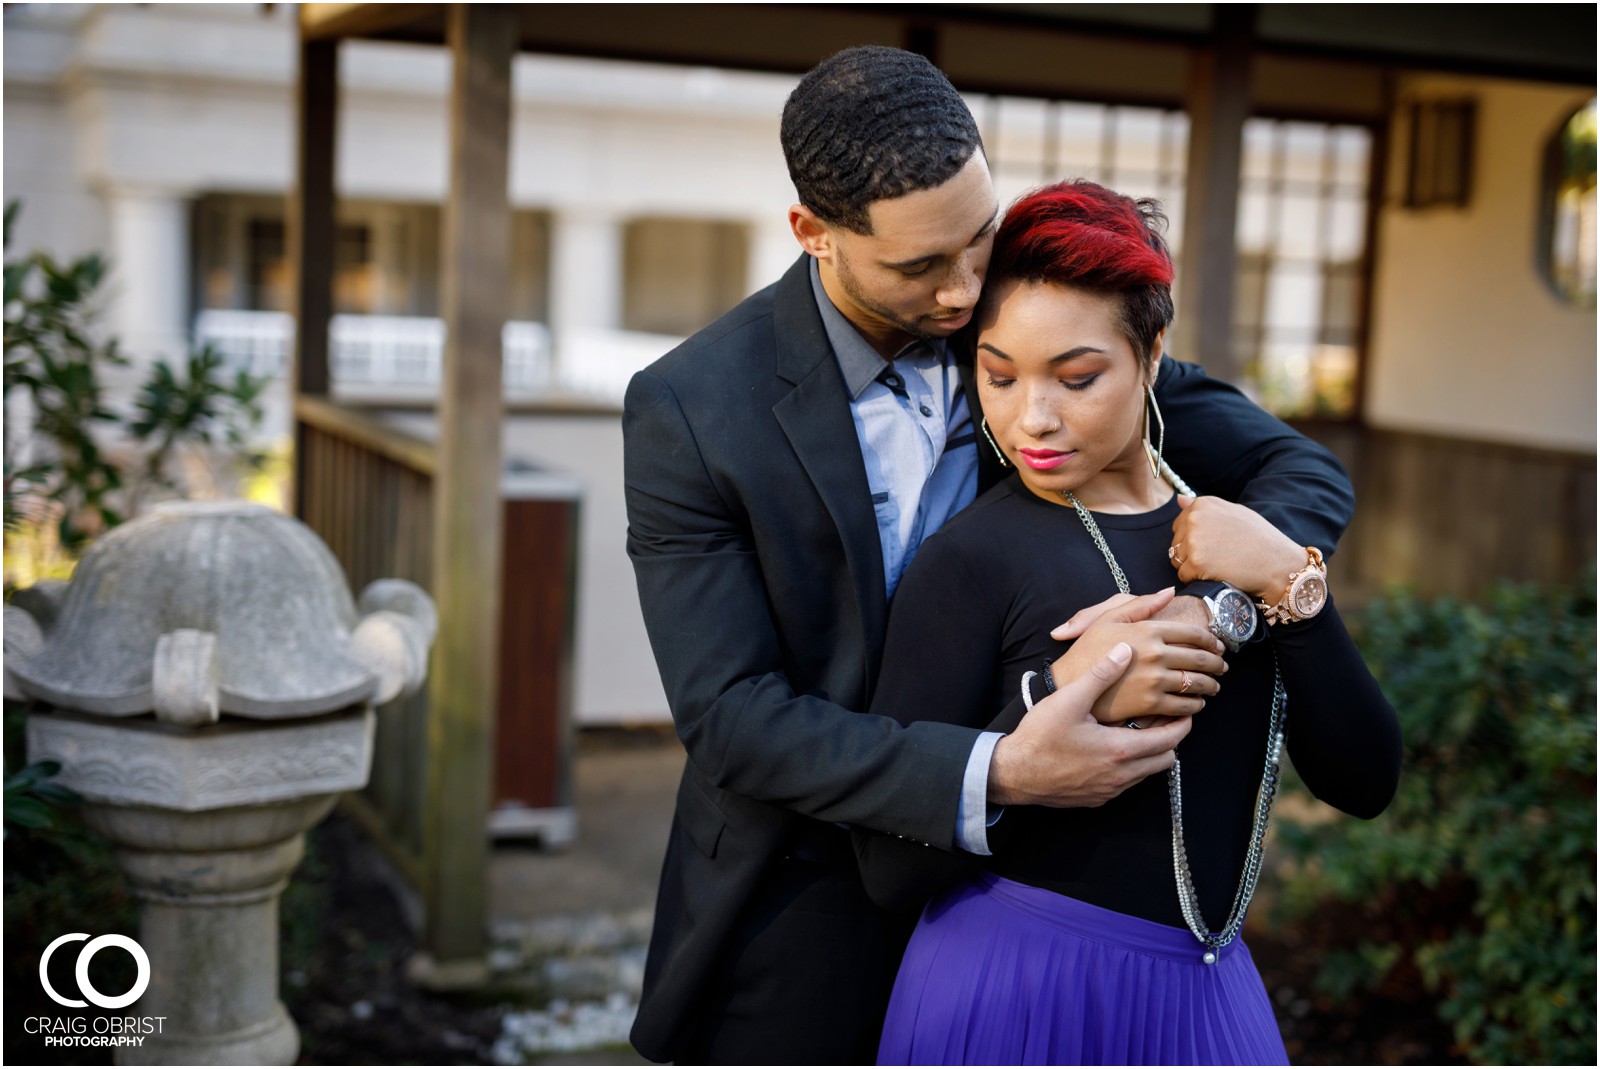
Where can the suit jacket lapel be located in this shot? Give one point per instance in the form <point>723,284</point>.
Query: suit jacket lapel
<point>990,470</point>
<point>815,416</point>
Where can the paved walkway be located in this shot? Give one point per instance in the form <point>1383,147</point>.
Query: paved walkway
<point>624,785</point>
<point>573,922</point>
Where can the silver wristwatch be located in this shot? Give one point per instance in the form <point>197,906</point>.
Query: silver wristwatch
<point>1233,616</point>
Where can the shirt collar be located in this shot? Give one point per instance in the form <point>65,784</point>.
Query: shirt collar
<point>858,361</point>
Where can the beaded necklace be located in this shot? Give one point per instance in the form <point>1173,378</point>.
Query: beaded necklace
<point>1188,900</point>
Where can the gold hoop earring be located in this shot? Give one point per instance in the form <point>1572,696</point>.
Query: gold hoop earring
<point>1153,453</point>
<point>993,444</point>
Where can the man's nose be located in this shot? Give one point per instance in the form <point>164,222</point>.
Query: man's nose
<point>961,285</point>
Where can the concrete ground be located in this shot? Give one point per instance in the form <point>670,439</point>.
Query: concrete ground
<point>624,783</point>
<point>576,919</point>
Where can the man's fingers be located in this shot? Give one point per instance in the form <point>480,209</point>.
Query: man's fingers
<point>1109,668</point>
<point>1158,739</point>
<point>1081,620</point>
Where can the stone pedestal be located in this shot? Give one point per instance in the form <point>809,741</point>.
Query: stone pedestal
<point>207,685</point>
<point>208,871</point>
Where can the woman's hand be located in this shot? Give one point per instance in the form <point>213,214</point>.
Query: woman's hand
<point>1173,662</point>
<point>1220,540</point>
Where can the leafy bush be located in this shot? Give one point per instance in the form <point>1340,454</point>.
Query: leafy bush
<point>51,354</point>
<point>54,357</point>
<point>1480,877</point>
<point>60,877</point>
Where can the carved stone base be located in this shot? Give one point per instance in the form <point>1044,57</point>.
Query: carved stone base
<point>143,762</point>
<point>209,885</point>
<point>208,822</point>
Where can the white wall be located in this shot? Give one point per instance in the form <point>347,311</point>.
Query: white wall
<point>1467,339</point>
<point>614,672</point>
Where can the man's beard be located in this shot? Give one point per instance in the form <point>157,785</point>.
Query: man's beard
<point>853,290</point>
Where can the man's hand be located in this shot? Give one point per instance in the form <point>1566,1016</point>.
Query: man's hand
<point>1174,660</point>
<point>1060,756</point>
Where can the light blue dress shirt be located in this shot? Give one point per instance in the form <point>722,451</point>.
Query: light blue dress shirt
<point>921,454</point>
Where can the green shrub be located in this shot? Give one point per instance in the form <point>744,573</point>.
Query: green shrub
<point>1480,877</point>
<point>55,358</point>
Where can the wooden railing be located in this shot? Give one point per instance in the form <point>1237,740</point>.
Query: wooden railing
<point>367,490</point>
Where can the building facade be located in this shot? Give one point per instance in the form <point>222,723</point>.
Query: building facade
<point>1415,256</point>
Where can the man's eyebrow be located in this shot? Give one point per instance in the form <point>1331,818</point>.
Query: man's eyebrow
<point>1080,350</point>
<point>901,265</point>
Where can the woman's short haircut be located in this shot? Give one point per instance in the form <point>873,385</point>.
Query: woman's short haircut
<point>873,123</point>
<point>1083,235</point>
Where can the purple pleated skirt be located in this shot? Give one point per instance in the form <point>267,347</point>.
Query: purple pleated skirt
<point>1000,973</point>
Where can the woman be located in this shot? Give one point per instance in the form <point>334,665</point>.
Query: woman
<point>1106,935</point>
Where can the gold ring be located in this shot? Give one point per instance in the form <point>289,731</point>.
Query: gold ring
<point>1172,553</point>
<point>1183,688</point>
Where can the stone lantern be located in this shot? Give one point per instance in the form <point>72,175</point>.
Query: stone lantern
<point>208,686</point>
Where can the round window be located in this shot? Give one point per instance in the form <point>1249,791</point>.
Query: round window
<point>1567,211</point>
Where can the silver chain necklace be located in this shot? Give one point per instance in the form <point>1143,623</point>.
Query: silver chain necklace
<point>1188,900</point>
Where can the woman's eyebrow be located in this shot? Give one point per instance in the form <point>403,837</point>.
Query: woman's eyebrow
<point>1058,358</point>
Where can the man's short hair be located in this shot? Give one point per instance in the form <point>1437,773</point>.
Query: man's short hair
<point>873,123</point>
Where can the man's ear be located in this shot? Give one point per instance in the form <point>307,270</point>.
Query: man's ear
<point>814,236</point>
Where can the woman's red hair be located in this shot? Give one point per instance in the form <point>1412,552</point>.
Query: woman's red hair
<point>1083,235</point>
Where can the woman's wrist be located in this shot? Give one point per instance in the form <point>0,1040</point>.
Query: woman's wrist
<point>1286,560</point>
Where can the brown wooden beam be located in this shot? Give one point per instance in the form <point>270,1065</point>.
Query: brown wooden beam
<point>468,516</point>
<point>311,231</point>
<point>1219,102</point>
<point>333,22</point>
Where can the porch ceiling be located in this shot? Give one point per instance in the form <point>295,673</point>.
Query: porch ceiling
<point>988,47</point>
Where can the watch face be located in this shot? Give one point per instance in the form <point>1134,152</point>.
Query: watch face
<point>1309,593</point>
<point>1236,616</point>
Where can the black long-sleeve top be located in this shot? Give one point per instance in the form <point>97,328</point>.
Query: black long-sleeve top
<point>973,614</point>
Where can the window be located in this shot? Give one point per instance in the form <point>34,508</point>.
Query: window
<point>1133,150</point>
<point>680,274</point>
<point>1439,167</point>
<point>1302,227</point>
<point>355,273</point>
<point>1567,210</point>
<point>266,264</point>
<point>1302,240</point>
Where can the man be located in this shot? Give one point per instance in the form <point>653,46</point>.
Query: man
<point>782,467</point>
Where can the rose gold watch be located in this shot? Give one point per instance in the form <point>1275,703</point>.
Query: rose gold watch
<point>1306,594</point>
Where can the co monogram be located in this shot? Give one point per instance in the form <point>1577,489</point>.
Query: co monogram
<point>105,1002</point>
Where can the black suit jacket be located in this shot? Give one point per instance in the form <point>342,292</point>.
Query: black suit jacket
<point>752,534</point>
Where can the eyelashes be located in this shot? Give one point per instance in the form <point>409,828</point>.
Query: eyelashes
<point>1072,384</point>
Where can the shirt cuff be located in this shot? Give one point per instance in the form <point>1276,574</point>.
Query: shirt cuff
<point>974,815</point>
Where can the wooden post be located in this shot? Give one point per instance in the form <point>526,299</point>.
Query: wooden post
<point>311,230</point>
<point>467,510</point>
<point>1219,102</point>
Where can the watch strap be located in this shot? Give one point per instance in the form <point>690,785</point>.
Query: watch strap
<point>1283,612</point>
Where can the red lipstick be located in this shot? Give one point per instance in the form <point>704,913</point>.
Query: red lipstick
<point>1044,459</point>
